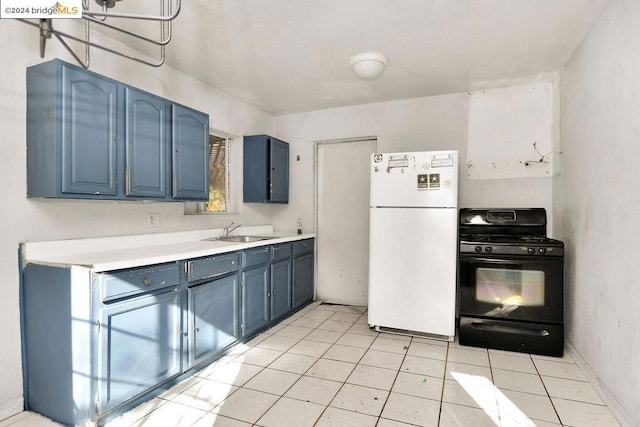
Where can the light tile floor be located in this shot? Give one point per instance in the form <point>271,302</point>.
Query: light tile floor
<point>324,367</point>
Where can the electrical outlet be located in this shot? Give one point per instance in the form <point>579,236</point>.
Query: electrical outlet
<point>153,220</point>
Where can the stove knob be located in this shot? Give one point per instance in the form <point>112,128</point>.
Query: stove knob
<point>531,251</point>
<point>542,251</point>
<point>478,248</point>
<point>488,249</point>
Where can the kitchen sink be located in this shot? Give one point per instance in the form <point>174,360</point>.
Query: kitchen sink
<point>239,239</point>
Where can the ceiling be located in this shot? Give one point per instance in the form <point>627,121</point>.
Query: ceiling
<point>287,56</point>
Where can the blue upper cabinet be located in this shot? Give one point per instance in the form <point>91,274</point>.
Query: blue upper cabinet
<point>146,144</point>
<point>266,169</point>
<point>88,133</point>
<point>279,171</point>
<point>72,132</point>
<point>190,147</point>
<point>89,136</point>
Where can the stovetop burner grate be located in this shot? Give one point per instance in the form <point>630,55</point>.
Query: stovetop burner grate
<point>523,234</point>
<point>512,239</point>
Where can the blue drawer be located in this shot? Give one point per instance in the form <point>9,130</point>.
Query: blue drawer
<point>281,251</point>
<point>302,246</point>
<point>252,257</point>
<point>126,283</point>
<point>204,268</point>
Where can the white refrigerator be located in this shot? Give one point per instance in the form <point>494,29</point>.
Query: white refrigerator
<point>413,243</point>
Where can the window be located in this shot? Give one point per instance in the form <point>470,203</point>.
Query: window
<point>218,175</point>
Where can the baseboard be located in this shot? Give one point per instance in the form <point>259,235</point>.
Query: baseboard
<point>12,408</point>
<point>618,412</point>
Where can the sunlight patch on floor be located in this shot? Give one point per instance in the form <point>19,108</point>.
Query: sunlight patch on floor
<point>501,410</point>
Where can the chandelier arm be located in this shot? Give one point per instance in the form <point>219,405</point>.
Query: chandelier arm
<point>87,33</point>
<point>169,17</point>
<point>46,31</point>
<point>66,46</point>
<point>163,42</point>
<point>26,21</point>
<point>158,63</point>
<point>85,7</point>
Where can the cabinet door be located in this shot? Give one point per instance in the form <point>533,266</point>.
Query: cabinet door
<point>255,164</point>
<point>279,171</point>
<point>255,300</point>
<point>146,137</point>
<point>280,288</point>
<point>88,133</point>
<point>139,346</point>
<point>213,317</point>
<point>302,279</point>
<point>190,144</point>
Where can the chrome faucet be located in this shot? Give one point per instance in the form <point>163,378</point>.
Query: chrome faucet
<point>228,229</point>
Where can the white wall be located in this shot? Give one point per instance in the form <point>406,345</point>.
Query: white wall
<point>598,198</point>
<point>431,123</point>
<point>35,220</point>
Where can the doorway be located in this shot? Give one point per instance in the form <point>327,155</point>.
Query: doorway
<point>343,220</point>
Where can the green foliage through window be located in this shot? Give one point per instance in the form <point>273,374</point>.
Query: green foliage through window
<point>217,174</point>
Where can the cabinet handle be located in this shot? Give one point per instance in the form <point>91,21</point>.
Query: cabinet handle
<point>268,294</point>
<point>195,329</point>
<point>146,281</point>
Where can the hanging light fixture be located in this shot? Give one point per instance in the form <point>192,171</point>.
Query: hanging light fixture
<point>368,66</point>
<point>169,10</point>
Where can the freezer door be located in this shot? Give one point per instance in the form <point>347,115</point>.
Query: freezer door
<point>421,179</point>
<point>412,269</point>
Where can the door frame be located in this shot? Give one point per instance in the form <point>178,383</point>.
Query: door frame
<point>316,190</point>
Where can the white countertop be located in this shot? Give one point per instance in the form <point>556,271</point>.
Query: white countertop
<point>114,253</point>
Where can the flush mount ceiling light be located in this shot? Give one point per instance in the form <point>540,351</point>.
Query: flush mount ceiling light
<point>368,66</point>
<point>169,10</point>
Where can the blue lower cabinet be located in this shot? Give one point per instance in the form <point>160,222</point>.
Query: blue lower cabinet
<point>280,289</point>
<point>255,299</point>
<point>96,344</point>
<point>302,272</point>
<point>213,323</point>
<point>302,279</point>
<point>139,346</point>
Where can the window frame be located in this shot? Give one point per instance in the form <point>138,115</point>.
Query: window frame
<point>202,206</point>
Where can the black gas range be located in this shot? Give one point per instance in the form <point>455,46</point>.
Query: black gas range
<point>510,279</point>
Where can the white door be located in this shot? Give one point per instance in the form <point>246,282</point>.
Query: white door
<point>343,221</point>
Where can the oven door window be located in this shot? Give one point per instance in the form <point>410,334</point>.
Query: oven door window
<point>510,288</point>
<point>524,289</point>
